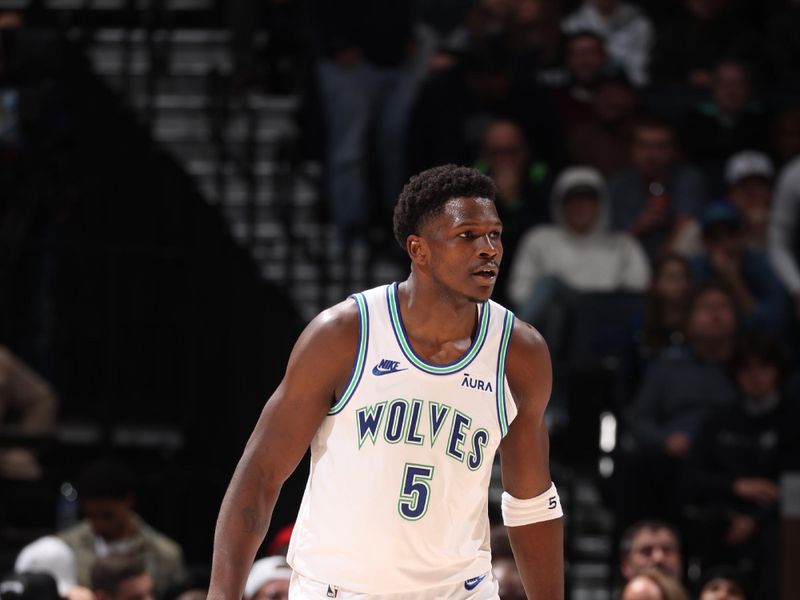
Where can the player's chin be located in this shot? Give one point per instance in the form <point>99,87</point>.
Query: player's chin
<point>483,291</point>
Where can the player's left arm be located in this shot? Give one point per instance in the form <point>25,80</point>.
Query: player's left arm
<point>539,546</point>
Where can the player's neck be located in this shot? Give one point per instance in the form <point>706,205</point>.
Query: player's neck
<point>429,313</point>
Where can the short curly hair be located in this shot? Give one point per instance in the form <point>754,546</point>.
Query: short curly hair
<point>426,193</point>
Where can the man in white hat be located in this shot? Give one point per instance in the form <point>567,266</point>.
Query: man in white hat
<point>51,555</point>
<point>269,579</point>
<point>749,177</point>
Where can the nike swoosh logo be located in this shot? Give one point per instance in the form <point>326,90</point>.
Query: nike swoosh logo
<point>378,371</point>
<point>471,584</point>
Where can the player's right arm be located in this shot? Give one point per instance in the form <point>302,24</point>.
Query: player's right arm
<point>318,369</point>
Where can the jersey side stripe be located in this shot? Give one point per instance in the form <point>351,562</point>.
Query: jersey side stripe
<point>502,414</point>
<point>408,351</point>
<point>361,357</point>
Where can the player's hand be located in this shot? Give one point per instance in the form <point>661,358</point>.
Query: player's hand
<point>741,528</point>
<point>756,489</point>
<point>677,444</point>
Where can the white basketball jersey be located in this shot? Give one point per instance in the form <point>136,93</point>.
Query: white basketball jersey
<point>397,496</point>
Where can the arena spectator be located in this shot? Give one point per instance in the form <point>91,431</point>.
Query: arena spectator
<point>723,583</point>
<point>749,176</point>
<point>731,121</point>
<point>707,31</point>
<point>627,31</point>
<point>121,577</point>
<point>654,585</point>
<point>650,545</point>
<point>367,85</point>
<point>107,494</point>
<point>602,141</point>
<point>666,308</point>
<point>732,479</point>
<point>268,579</point>
<point>783,237</point>
<point>536,40</point>
<point>659,197</point>
<point>455,106</point>
<point>759,295</point>
<point>523,187</point>
<point>679,391</point>
<point>51,555</point>
<point>585,58</point>
<point>577,254</point>
<point>28,407</point>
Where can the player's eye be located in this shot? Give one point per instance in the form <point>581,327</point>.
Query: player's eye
<point>467,235</point>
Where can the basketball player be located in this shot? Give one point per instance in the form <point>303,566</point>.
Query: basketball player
<point>404,393</point>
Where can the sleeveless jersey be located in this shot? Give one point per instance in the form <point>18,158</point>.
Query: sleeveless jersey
<point>397,495</point>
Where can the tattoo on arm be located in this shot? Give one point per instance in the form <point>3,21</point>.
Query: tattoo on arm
<point>251,523</point>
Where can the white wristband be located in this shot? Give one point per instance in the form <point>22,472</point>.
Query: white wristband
<point>544,507</point>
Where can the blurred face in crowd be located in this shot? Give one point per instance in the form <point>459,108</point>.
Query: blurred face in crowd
<point>110,518</point>
<point>712,316</point>
<point>731,87</point>
<point>757,380</point>
<point>139,587</point>
<point>723,239</point>
<point>673,282</point>
<point>585,59</point>
<point>276,589</point>
<point>581,211</point>
<point>642,588</point>
<point>706,9</point>
<point>653,150</point>
<point>653,548</point>
<point>504,146</point>
<point>605,7</point>
<point>532,12</point>
<point>722,589</point>
<point>752,196</point>
<point>615,101</point>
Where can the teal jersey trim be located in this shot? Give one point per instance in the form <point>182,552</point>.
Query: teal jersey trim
<point>502,414</point>
<point>361,357</point>
<point>419,362</point>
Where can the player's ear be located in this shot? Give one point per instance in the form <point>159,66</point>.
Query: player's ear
<point>417,249</point>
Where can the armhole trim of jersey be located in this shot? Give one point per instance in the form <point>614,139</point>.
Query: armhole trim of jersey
<point>500,387</point>
<point>361,355</point>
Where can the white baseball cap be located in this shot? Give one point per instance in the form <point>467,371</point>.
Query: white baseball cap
<point>264,570</point>
<point>748,163</point>
<point>50,555</point>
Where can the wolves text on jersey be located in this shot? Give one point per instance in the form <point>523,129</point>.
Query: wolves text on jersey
<point>410,422</point>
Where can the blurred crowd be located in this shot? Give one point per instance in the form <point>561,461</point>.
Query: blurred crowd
<point>647,162</point>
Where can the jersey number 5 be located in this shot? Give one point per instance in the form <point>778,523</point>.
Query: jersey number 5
<point>415,491</point>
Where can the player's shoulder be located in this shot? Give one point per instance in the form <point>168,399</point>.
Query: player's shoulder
<point>528,355</point>
<point>337,323</point>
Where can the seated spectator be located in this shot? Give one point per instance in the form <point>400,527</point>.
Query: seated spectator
<point>52,556</point>
<point>523,187</point>
<point>29,586</point>
<point>585,58</point>
<point>626,29</point>
<point>535,38</point>
<point>28,407</point>
<point>707,31</point>
<point>679,391</point>
<point>667,307</point>
<point>121,577</point>
<point>654,585</point>
<point>268,579</point>
<point>107,495</point>
<point>749,176</point>
<point>738,456</point>
<point>782,237</point>
<point>760,297</point>
<point>658,198</point>
<point>650,545</point>
<point>601,141</point>
<point>723,583</point>
<point>555,263</point>
<point>730,122</point>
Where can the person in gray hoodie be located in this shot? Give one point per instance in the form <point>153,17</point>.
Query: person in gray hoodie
<point>577,254</point>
